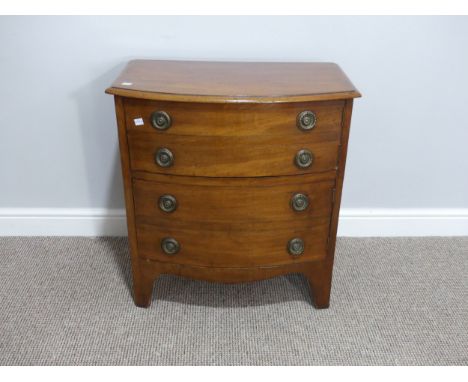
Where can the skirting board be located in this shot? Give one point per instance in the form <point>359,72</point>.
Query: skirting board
<point>358,222</point>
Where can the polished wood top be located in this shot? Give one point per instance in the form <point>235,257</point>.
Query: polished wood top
<point>231,82</point>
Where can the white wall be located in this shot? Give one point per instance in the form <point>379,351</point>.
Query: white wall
<point>58,141</point>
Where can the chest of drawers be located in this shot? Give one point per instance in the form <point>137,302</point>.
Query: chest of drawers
<point>232,171</point>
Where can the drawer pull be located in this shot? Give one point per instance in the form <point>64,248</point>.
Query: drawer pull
<point>164,157</point>
<point>170,246</point>
<point>304,158</point>
<point>296,247</point>
<point>167,203</point>
<point>306,120</point>
<point>299,202</point>
<point>161,120</point>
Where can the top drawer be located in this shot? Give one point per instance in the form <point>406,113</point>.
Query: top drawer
<point>322,123</point>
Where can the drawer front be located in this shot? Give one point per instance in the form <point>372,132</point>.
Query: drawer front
<point>186,199</point>
<point>234,119</point>
<point>234,245</point>
<point>229,156</point>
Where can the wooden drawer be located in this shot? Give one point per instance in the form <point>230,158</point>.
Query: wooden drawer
<point>237,200</point>
<point>237,119</point>
<point>234,244</point>
<point>242,156</point>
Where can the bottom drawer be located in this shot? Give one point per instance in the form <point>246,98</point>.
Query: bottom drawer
<point>234,244</point>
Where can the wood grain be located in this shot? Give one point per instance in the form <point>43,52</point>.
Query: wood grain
<point>140,283</point>
<point>238,120</point>
<point>216,201</point>
<point>316,272</point>
<point>346,126</point>
<point>234,244</point>
<point>234,138</point>
<point>224,82</point>
<point>229,156</point>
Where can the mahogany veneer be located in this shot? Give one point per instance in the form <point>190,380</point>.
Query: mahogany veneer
<point>232,171</point>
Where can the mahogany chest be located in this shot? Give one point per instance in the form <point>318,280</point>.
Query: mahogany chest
<point>232,171</point>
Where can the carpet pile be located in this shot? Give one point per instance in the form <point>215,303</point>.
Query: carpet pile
<point>395,301</point>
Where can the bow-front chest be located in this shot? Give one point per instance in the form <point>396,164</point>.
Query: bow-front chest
<point>232,171</point>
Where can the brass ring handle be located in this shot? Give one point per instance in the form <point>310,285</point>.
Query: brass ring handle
<point>167,203</point>
<point>304,158</point>
<point>299,202</point>
<point>170,246</point>
<point>296,247</point>
<point>164,157</point>
<point>306,120</point>
<point>160,120</point>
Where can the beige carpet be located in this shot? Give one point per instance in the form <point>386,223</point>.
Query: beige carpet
<point>399,301</point>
